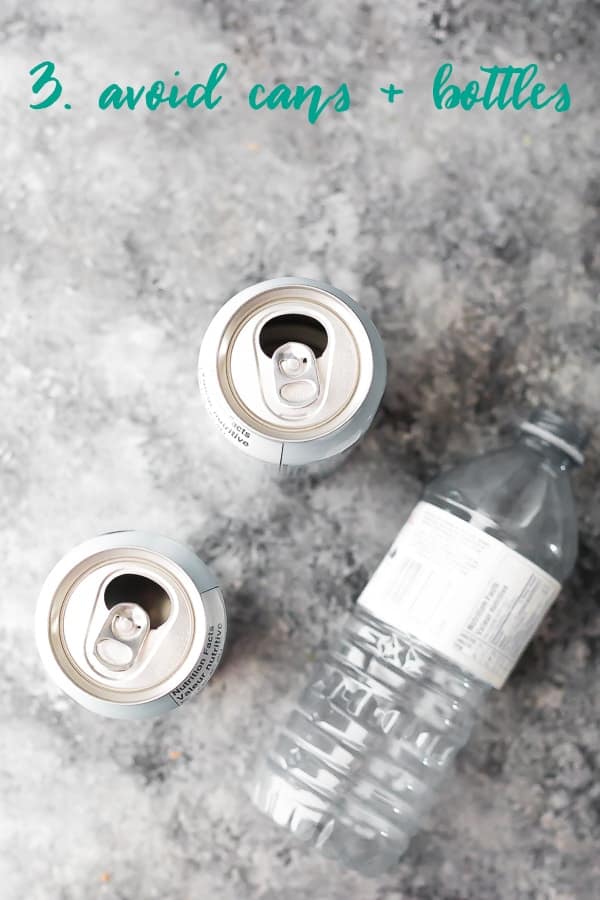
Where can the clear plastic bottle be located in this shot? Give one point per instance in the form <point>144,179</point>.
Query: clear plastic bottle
<point>445,617</point>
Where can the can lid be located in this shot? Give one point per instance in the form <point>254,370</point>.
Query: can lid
<point>294,360</point>
<point>123,616</point>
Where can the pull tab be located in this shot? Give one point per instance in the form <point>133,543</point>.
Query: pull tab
<point>297,383</point>
<point>122,636</point>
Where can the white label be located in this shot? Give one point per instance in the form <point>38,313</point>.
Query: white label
<point>460,591</point>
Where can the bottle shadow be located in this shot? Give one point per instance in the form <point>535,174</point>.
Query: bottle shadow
<point>565,648</point>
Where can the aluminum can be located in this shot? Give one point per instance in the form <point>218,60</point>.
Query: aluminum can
<point>130,624</point>
<point>292,372</point>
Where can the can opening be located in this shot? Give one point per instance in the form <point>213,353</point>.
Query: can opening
<point>293,328</point>
<point>144,592</point>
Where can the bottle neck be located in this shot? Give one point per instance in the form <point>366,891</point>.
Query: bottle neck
<point>553,455</point>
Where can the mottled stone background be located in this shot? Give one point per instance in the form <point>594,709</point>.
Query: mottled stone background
<point>473,239</point>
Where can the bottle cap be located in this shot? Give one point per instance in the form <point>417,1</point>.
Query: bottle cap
<point>558,431</point>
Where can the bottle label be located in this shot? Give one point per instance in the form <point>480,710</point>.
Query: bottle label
<point>460,591</point>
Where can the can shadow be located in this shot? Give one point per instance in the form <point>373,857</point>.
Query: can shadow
<point>248,619</point>
<point>248,628</point>
<point>462,392</point>
<point>453,398</point>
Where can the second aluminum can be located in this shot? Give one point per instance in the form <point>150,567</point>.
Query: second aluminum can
<point>292,372</point>
<point>130,624</point>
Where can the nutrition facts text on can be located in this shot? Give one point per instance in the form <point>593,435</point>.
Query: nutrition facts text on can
<point>203,669</point>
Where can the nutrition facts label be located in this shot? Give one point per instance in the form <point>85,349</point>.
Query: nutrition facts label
<point>461,591</point>
<point>204,668</point>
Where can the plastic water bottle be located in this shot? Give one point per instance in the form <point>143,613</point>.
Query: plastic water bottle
<point>444,618</point>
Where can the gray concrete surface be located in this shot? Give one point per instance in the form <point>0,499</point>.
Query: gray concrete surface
<point>473,241</point>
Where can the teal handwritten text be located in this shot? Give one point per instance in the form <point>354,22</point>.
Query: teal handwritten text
<point>158,93</point>
<point>502,86</point>
<point>286,97</point>
<point>45,79</point>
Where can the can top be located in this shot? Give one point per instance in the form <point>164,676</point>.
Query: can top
<point>293,359</point>
<point>122,616</point>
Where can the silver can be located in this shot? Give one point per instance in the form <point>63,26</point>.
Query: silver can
<point>292,372</point>
<point>131,624</point>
